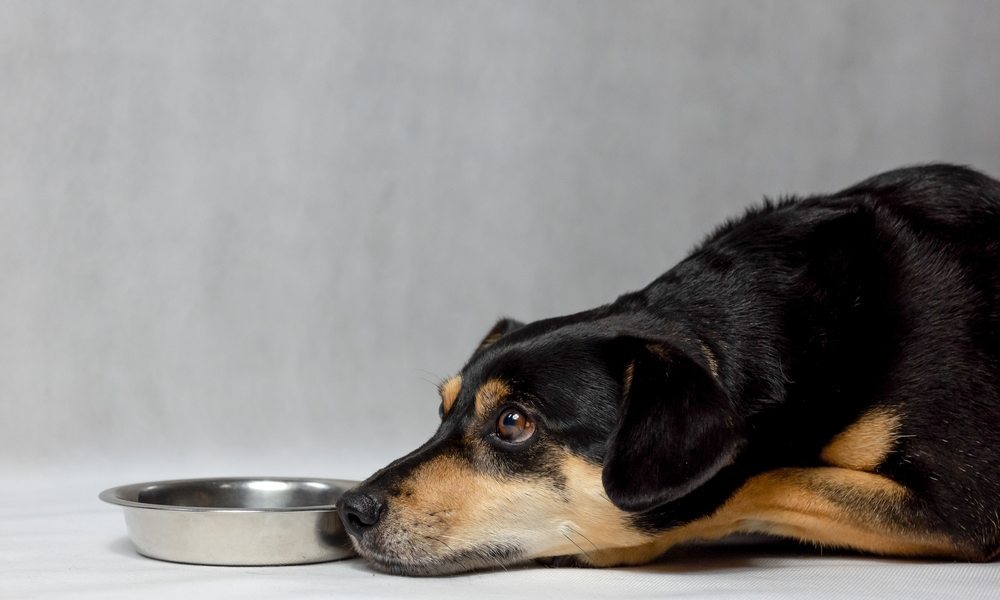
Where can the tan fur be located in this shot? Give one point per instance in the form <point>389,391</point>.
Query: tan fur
<point>444,485</point>
<point>489,340</point>
<point>713,363</point>
<point>433,514</point>
<point>658,351</point>
<point>447,506</point>
<point>627,382</point>
<point>588,510</point>
<point>801,504</point>
<point>449,392</point>
<point>706,352</point>
<point>864,445</point>
<point>489,395</point>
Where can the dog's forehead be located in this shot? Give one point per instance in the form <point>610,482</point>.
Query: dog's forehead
<point>533,371</point>
<point>522,363</point>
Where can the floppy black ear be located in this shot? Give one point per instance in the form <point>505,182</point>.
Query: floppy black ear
<point>502,328</point>
<point>676,428</point>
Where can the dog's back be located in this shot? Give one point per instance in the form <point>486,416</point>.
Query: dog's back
<point>867,339</point>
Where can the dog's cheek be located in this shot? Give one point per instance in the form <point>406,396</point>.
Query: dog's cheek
<point>591,522</point>
<point>561,510</point>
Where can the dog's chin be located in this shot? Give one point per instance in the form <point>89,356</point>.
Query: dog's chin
<point>482,558</point>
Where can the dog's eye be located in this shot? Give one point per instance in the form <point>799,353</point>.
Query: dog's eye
<point>514,427</point>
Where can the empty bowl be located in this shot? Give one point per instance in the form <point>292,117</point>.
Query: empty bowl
<point>235,521</point>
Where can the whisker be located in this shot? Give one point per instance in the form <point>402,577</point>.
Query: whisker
<point>577,545</point>
<point>433,383</point>
<point>489,554</point>
<point>580,533</point>
<point>432,374</point>
<point>437,539</point>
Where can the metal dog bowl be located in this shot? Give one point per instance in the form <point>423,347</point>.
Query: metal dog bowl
<point>235,521</point>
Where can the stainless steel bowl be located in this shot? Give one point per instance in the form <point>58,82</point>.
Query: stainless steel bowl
<point>235,521</point>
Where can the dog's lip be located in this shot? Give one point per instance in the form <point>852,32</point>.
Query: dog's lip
<point>398,566</point>
<point>450,564</point>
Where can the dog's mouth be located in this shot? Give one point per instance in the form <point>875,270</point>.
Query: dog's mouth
<point>423,562</point>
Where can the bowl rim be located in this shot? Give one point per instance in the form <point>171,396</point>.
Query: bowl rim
<point>113,495</point>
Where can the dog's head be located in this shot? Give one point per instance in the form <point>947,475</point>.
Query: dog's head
<point>552,436</point>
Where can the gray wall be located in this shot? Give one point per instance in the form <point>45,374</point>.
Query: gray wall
<point>266,229</point>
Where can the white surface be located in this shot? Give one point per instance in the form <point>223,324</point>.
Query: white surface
<point>59,541</point>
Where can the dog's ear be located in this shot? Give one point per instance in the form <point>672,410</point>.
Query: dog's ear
<point>502,328</point>
<point>676,426</point>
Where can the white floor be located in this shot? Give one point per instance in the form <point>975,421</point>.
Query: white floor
<point>58,541</point>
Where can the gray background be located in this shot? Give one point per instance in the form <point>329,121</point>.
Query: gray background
<point>265,230</point>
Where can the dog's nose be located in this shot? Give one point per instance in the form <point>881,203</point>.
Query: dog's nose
<point>359,511</point>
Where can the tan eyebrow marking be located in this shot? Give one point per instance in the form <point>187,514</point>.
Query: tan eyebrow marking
<point>489,395</point>
<point>449,392</point>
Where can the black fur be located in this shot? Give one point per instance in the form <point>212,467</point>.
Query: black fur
<point>815,309</point>
<point>676,428</point>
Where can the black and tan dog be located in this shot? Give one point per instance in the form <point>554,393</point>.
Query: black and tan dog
<point>824,368</point>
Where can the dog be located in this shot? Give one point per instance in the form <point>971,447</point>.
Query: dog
<point>824,368</point>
